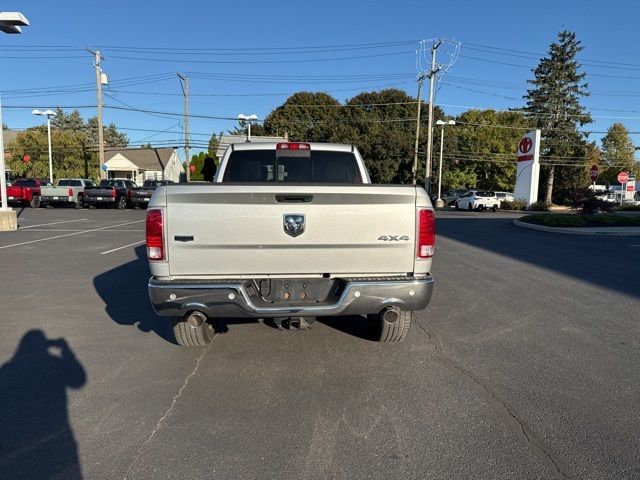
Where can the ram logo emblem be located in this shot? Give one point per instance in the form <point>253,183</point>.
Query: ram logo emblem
<point>293,224</point>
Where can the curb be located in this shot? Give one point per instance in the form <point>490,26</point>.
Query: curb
<point>577,230</point>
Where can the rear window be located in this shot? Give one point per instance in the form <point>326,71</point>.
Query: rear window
<point>110,183</point>
<point>485,194</point>
<point>26,183</point>
<point>317,166</point>
<point>70,183</point>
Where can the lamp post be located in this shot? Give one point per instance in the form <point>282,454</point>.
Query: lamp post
<point>10,22</point>
<point>439,201</point>
<point>48,114</point>
<point>248,118</point>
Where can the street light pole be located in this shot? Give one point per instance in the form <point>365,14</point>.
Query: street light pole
<point>3,178</point>
<point>50,156</point>
<point>439,201</point>
<point>48,114</point>
<point>248,118</point>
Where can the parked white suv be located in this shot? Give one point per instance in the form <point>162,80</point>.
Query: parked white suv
<point>478,200</point>
<point>505,196</point>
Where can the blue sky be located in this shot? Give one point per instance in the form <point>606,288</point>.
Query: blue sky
<point>255,80</point>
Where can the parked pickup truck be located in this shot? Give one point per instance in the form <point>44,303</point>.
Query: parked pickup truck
<point>139,197</point>
<point>113,192</point>
<point>26,190</point>
<point>289,231</point>
<point>68,191</point>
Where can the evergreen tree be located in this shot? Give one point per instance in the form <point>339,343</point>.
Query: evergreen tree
<point>554,106</point>
<point>618,153</point>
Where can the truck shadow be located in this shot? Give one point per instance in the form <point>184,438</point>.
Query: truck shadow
<point>124,292</point>
<point>585,258</point>
<point>37,438</point>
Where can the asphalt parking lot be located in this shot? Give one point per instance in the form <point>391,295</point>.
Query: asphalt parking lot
<point>524,366</point>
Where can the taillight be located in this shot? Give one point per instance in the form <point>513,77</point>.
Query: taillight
<point>293,146</point>
<point>70,192</point>
<point>155,241</point>
<point>130,194</point>
<point>426,233</point>
<point>113,192</point>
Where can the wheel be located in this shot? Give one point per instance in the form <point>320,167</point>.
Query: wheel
<point>494,208</point>
<point>35,202</point>
<point>79,204</point>
<point>187,336</point>
<point>122,203</point>
<point>387,331</point>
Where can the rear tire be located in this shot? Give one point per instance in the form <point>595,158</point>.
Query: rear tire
<point>383,331</point>
<point>122,203</point>
<point>187,336</point>
<point>494,208</point>
<point>35,202</point>
<point>79,204</point>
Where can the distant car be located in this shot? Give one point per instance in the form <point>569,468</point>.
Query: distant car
<point>155,183</point>
<point>505,196</point>
<point>450,197</point>
<point>478,200</point>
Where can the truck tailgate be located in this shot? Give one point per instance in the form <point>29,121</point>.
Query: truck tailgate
<point>220,229</point>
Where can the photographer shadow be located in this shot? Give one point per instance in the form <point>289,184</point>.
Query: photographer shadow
<point>124,292</point>
<point>37,440</point>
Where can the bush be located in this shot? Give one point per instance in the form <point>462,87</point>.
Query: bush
<point>628,208</point>
<point>539,207</point>
<point>516,204</point>
<point>589,204</point>
<point>572,220</point>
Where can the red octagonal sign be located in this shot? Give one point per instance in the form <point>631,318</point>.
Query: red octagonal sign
<point>594,172</point>
<point>623,177</point>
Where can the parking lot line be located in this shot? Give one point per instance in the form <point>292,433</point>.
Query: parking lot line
<point>124,246</point>
<point>52,223</point>
<point>69,234</point>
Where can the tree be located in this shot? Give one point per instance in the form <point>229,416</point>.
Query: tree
<point>72,121</point>
<point>197,161</point>
<point>478,154</point>
<point>68,154</point>
<point>112,137</point>
<point>618,153</point>
<point>214,143</point>
<point>554,106</point>
<point>305,116</point>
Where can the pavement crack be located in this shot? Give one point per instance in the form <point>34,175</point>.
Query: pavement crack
<point>558,467</point>
<point>174,401</point>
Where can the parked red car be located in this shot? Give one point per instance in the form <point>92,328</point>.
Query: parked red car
<point>26,190</point>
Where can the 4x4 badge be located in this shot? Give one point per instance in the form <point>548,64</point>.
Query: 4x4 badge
<point>293,224</point>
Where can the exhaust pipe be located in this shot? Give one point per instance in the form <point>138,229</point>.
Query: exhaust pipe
<point>196,319</point>
<point>390,314</point>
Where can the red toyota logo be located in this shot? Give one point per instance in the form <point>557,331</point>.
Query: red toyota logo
<point>525,145</point>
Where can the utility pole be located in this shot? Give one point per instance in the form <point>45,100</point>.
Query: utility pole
<point>184,83</point>
<point>431,75</point>
<point>96,63</point>
<point>414,170</point>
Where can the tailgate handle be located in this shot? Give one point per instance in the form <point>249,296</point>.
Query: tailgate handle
<point>183,238</point>
<point>293,198</point>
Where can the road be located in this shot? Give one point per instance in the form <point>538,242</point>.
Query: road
<point>525,366</point>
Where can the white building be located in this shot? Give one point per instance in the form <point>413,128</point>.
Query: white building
<point>139,164</point>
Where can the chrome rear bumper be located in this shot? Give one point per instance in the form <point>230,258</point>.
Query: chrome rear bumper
<point>232,298</point>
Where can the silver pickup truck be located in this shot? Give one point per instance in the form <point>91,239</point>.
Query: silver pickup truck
<point>68,191</point>
<point>289,232</point>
